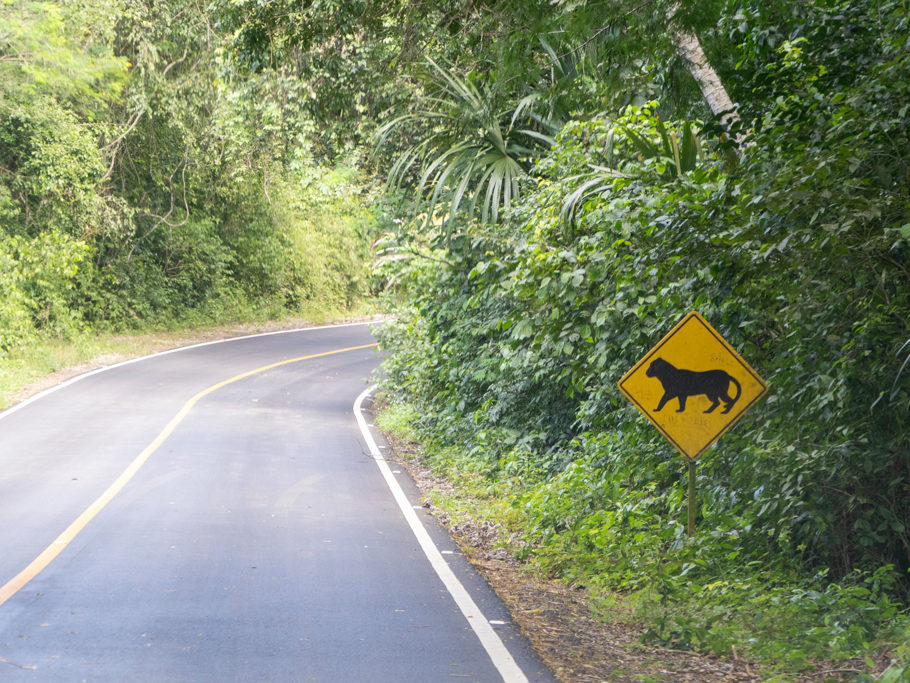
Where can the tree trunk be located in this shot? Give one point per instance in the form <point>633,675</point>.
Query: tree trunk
<point>689,48</point>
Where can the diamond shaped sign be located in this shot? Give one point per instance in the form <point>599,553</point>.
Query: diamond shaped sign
<point>693,386</point>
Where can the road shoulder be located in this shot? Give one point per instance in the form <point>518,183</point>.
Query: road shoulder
<point>557,619</point>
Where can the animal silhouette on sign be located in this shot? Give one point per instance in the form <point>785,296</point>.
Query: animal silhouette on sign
<point>682,384</point>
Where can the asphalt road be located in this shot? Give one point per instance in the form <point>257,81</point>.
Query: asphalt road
<point>217,514</point>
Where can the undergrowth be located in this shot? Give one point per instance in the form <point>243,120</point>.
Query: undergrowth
<point>629,547</point>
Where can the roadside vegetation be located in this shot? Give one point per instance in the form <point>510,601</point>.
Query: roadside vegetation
<point>563,181</point>
<point>147,183</point>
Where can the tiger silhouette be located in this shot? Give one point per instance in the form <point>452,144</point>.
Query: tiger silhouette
<point>681,384</point>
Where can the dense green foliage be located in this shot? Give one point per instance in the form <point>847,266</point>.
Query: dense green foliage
<point>144,177</point>
<point>796,247</point>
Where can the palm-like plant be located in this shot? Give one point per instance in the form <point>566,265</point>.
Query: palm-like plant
<point>467,153</point>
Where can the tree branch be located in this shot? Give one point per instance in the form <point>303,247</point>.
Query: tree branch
<point>116,141</point>
<point>164,218</point>
<point>174,63</point>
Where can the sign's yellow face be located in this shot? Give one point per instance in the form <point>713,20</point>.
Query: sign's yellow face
<point>693,386</point>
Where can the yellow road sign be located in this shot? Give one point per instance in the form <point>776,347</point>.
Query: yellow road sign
<point>692,386</point>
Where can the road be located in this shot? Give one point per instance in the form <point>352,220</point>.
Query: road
<point>218,514</point>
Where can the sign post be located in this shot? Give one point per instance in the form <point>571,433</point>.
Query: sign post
<point>693,387</point>
<point>690,527</point>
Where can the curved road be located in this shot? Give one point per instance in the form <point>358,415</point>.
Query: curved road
<point>217,514</point>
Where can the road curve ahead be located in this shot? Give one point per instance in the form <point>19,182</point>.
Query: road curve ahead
<point>216,514</point>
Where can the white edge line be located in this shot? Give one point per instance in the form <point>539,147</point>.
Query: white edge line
<point>500,656</point>
<point>31,399</point>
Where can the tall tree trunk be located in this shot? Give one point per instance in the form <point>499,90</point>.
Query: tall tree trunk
<point>689,48</point>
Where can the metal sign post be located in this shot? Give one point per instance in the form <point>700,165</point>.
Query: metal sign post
<point>693,387</point>
<point>690,529</point>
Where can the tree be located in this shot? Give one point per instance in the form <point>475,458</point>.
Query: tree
<point>689,49</point>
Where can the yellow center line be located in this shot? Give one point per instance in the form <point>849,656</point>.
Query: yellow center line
<point>47,556</point>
